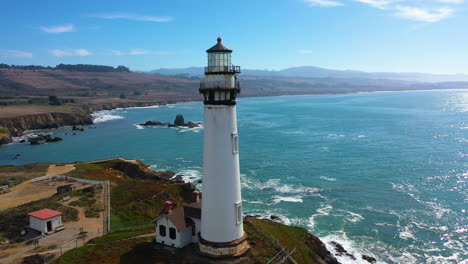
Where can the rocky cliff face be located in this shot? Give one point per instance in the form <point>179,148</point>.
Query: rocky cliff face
<point>14,127</point>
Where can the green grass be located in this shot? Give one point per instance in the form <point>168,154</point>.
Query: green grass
<point>93,212</point>
<point>111,237</point>
<point>105,253</point>
<point>37,168</point>
<point>269,237</point>
<point>75,254</point>
<point>83,202</point>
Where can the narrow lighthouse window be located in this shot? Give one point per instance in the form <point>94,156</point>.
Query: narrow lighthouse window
<point>235,143</point>
<point>239,212</point>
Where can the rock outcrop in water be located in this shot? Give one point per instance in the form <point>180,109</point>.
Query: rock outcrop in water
<point>154,123</point>
<point>37,140</point>
<point>178,122</point>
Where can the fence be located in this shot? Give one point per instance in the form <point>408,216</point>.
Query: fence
<point>48,177</point>
<point>132,228</point>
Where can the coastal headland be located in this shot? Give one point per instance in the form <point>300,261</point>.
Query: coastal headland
<point>137,196</point>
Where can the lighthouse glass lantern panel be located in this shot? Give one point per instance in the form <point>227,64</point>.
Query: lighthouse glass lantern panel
<point>219,61</point>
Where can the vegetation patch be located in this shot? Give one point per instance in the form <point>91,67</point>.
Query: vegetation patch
<point>93,212</point>
<point>13,220</point>
<point>14,175</point>
<point>138,202</point>
<point>11,182</point>
<point>83,202</point>
<point>115,236</point>
<point>105,253</point>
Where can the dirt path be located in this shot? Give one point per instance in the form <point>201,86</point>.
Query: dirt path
<point>54,169</point>
<point>28,191</point>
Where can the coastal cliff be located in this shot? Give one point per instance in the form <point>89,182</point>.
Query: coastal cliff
<point>14,127</point>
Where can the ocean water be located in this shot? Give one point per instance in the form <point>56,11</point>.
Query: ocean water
<point>385,174</point>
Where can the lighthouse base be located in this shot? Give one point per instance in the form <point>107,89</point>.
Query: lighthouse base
<point>217,250</point>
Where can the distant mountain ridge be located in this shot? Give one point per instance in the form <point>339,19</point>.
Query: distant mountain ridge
<point>317,72</point>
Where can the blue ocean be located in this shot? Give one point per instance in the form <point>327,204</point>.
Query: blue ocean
<point>385,174</point>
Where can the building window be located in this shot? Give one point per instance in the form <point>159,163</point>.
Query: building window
<point>172,233</point>
<point>235,143</point>
<point>239,212</point>
<point>162,230</point>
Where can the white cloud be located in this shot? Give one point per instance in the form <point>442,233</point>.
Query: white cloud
<point>452,1</point>
<point>382,4</point>
<point>75,52</point>
<point>15,54</point>
<point>134,17</point>
<point>59,29</point>
<point>324,3</point>
<point>303,51</point>
<point>418,10</point>
<point>136,52</point>
<point>421,14</point>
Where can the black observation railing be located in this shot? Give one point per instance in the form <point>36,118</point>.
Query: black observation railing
<point>222,69</point>
<point>219,84</point>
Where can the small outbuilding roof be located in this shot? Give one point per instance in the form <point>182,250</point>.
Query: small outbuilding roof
<point>219,47</point>
<point>179,220</point>
<point>180,216</point>
<point>45,214</point>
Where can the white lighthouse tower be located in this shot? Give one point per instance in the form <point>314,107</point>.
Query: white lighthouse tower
<point>222,233</point>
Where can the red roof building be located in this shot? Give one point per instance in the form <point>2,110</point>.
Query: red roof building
<point>45,214</point>
<point>46,221</point>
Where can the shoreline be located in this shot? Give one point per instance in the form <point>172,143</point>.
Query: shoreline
<point>13,130</point>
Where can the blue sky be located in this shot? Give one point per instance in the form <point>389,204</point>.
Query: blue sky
<point>370,35</point>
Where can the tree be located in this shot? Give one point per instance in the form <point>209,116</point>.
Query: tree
<point>53,100</point>
<point>122,96</point>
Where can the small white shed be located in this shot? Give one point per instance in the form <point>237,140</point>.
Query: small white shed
<point>46,220</point>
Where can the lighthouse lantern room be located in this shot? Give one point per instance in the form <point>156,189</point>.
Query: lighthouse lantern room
<point>222,233</point>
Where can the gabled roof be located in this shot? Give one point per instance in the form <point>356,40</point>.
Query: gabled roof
<point>219,47</point>
<point>180,216</point>
<point>45,214</point>
<point>179,220</point>
<point>193,210</point>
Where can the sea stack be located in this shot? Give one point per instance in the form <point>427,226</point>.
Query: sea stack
<point>222,234</point>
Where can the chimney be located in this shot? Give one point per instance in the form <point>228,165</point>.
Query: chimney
<point>168,207</point>
<point>196,196</point>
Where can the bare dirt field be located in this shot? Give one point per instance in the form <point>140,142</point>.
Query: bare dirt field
<point>59,242</point>
<point>28,191</point>
<point>63,240</point>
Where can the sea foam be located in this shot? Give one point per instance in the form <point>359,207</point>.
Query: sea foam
<point>105,115</point>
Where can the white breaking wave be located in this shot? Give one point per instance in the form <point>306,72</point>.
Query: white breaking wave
<point>324,210</point>
<point>354,217</point>
<point>327,179</point>
<point>277,186</point>
<point>352,247</point>
<point>139,126</point>
<point>105,115</point>
<point>191,174</point>
<point>294,199</point>
<point>186,129</point>
<point>292,132</point>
